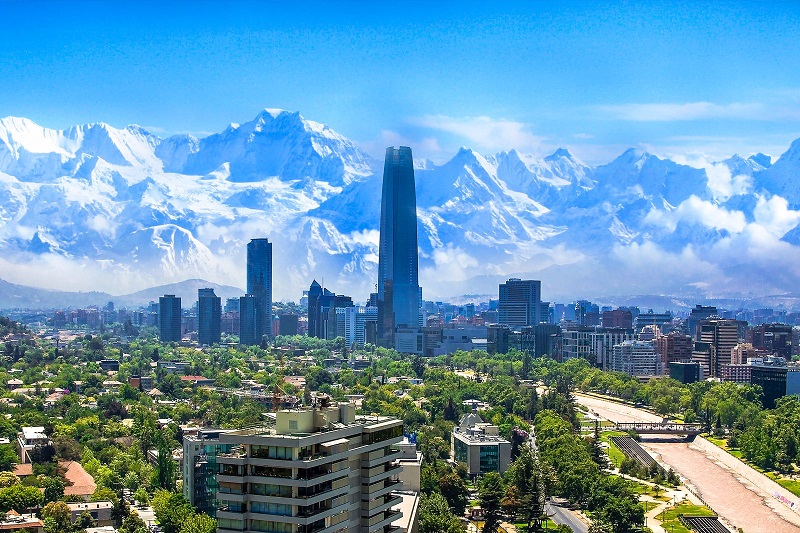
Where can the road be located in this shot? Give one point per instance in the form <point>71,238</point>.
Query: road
<point>733,489</point>
<point>560,515</point>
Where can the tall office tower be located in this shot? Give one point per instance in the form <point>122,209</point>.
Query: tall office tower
<point>721,337</point>
<point>248,318</point>
<point>520,302</point>
<point>322,306</point>
<point>398,262</point>
<point>700,312</point>
<point>169,318</point>
<point>209,315</point>
<point>259,283</point>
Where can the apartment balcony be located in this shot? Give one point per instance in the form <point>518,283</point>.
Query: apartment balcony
<point>385,488</point>
<point>380,505</point>
<point>378,523</point>
<point>373,462</point>
<point>380,472</point>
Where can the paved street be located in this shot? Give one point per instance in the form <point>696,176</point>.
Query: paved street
<point>560,515</point>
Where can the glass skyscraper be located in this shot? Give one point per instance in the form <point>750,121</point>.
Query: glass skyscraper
<point>398,262</point>
<point>259,284</point>
<point>169,318</point>
<point>209,317</point>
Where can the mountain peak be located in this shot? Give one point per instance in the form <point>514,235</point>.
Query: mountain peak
<point>560,153</point>
<point>762,159</point>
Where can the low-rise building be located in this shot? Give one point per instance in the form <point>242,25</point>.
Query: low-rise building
<point>100,511</point>
<point>28,439</point>
<point>479,446</point>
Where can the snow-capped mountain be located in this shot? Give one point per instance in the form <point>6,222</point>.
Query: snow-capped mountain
<point>95,207</point>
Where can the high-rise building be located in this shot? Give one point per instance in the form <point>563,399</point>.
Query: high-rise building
<point>288,324</point>
<point>521,303</point>
<point>322,308</point>
<point>674,347</point>
<point>721,336</point>
<point>259,283</point>
<point>320,469</point>
<point>618,318</point>
<point>700,312</point>
<point>398,262</point>
<point>248,318</point>
<point>636,358</point>
<point>774,338</point>
<point>169,318</point>
<point>209,317</point>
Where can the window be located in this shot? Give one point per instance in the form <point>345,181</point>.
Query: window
<point>292,424</point>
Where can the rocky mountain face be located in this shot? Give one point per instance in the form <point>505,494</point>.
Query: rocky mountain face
<point>94,207</point>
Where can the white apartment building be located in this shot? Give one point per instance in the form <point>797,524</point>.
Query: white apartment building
<point>636,358</point>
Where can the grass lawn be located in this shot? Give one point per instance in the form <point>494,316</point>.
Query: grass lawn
<point>723,443</point>
<point>791,485</point>
<point>548,525</point>
<point>614,454</point>
<point>669,518</point>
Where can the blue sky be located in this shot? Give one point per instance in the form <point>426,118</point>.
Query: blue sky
<point>677,78</point>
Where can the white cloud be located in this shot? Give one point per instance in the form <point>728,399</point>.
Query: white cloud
<point>484,132</point>
<point>696,211</point>
<point>775,216</point>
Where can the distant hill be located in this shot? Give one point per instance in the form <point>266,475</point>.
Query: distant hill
<point>19,296</point>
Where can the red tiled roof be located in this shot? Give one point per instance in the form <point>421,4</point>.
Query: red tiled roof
<point>23,470</point>
<point>82,482</point>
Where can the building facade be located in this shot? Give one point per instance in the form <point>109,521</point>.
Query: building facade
<point>636,358</point>
<point>317,470</point>
<point>209,317</point>
<point>479,446</point>
<point>398,260</point>
<point>520,303</point>
<point>169,318</point>
<point>248,320</point>
<point>259,283</point>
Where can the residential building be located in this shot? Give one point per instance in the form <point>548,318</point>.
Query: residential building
<point>636,358</point>
<point>674,347</point>
<point>520,303</point>
<point>602,342</point>
<point>399,298</point>
<point>28,439</point>
<point>259,284</point>
<point>99,511</point>
<point>650,318</point>
<point>479,446</point>
<point>742,352</point>
<point>318,469</point>
<point>209,317</point>
<point>169,318</point>
<point>411,462</point>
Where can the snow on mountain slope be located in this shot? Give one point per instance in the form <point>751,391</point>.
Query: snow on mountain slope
<point>118,209</point>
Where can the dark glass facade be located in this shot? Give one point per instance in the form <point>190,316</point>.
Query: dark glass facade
<point>247,320</point>
<point>169,318</point>
<point>259,284</point>
<point>398,261</point>
<point>209,317</point>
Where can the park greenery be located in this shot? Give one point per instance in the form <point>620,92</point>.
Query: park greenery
<point>125,436</point>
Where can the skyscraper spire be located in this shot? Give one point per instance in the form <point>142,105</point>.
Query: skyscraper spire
<point>398,261</point>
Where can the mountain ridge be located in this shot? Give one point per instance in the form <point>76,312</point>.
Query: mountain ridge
<point>109,207</point>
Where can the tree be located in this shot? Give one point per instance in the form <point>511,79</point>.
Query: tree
<point>435,515</point>
<point>53,489</point>
<point>455,491</point>
<point>490,493</point>
<point>141,497</point>
<point>133,524</point>
<point>60,515</point>
<point>199,523</point>
<point>8,457</point>
<point>84,521</point>
<point>20,498</point>
<point>418,366</point>
<point>171,509</point>
<point>8,479</point>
